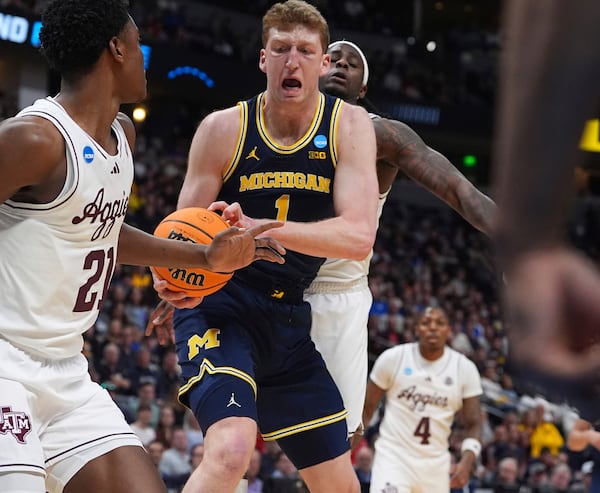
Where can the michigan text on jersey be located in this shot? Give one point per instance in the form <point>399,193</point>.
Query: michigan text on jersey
<point>285,179</point>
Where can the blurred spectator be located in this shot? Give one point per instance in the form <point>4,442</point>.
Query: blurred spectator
<point>146,395</point>
<point>169,376</point>
<point>559,481</point>
<point>111,373</point>
<point>175,465</point>
<point>537,477</point>
<point>506,479</point>
<point>545,434</point>
<point>142,425</point>
<point>166,425</point>
<point>155,451</point>
<point>144,369</point>
<point>196,455</point>
<point>192,428</point>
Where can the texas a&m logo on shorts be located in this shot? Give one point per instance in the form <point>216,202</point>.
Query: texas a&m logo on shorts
<point>15,422</point>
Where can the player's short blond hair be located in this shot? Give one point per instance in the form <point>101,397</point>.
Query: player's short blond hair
<point>285,15</point>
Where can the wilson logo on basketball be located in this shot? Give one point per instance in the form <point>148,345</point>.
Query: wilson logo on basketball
<point>176,235</point>
<point>192,279</point>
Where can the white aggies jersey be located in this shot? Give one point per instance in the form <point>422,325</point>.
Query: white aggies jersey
<point>346,270</point>
<point>422,398</point>
<point>58,258</point>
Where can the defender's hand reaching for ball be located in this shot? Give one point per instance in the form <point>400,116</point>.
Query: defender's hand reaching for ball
<point>236,247</point>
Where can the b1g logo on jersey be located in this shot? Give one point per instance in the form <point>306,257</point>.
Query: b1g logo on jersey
<point>88,154</point>
<point>15,422</point>
<point>317,155</point>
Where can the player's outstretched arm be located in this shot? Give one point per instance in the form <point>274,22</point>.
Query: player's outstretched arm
<point>399,147</point>
<point>231,249</point>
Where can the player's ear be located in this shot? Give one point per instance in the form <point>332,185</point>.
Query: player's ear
<point>325,63</point>
<point>363,92</point>
<point>262,58</point>
<point>114,46</point>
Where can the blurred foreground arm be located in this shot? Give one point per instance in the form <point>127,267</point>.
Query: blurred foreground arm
<point>548,87</point>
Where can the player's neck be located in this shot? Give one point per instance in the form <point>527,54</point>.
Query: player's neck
<point>431,354</point>
<point>287,122</point>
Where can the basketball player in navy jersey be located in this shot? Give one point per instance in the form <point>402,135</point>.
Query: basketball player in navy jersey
<point>66,172</point>
<point>548,87</point>
<point>339,296</point>
<point>297,155</point>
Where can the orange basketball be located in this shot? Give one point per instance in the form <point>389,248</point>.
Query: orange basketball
<point>197,225</point>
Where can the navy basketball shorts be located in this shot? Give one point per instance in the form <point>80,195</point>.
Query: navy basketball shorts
<point>245,354</point>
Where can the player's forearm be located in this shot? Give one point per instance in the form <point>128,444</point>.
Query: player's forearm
<point>438,175</point>
<point>331,238</point>
<point>137,247</point>
<point>476,207</point>
<point>547,88</point>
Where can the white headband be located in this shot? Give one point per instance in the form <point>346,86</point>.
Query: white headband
<point>360,53</point>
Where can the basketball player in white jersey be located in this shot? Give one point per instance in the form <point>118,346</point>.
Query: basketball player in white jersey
<point>340,297</point>
<point>66,172</point>
<point>425,383</point>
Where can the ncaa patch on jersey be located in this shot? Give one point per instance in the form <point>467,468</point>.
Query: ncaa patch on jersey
<point>320,141</point>
<point>88,154</point>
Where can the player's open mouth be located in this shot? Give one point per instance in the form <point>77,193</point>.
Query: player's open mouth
<point>291,84</point>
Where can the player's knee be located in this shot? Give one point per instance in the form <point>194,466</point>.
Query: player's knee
<point>230,446</point>
<point>231,460</point>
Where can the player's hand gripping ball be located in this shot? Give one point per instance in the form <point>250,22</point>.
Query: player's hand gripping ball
<point>197,225</point>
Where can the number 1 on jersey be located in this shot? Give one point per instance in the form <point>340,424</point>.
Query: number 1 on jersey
<point>283,206</point>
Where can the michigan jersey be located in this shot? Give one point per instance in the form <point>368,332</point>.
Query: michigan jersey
<point>422,398</point>
<point>68,246</point>
<point>280,182</point>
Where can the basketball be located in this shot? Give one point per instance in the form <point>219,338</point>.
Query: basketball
<point>197,225</point>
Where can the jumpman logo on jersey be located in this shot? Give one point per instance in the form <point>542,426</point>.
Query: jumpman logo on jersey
<point>232,401</point>
<point>252,154</point>
<point>277,294</point>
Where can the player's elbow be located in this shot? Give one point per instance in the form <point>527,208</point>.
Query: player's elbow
<point>360,247</point>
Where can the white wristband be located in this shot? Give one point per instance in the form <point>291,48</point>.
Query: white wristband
<point>471,444</point>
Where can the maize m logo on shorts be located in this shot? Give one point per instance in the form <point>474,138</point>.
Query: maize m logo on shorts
<point>17,423</point>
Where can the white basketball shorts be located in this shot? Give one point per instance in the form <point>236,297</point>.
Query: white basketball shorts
<point>340,312</point>
<point>53,418</point>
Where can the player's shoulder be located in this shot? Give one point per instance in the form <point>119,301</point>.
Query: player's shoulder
<point>33,134</point>
<point>128,127</point>
<point>463,360</point>
<point>398,351</point>
<point>222,120</point>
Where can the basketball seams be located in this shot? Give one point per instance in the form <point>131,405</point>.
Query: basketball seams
<point>197,228</point>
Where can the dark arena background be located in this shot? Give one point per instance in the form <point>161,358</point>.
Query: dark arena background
<point>433,65</point>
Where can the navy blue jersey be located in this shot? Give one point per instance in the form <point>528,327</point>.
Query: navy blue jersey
<point>285,183</point>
